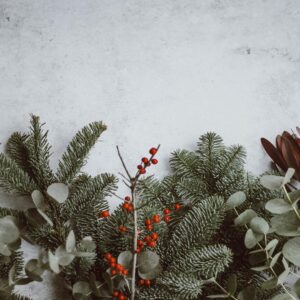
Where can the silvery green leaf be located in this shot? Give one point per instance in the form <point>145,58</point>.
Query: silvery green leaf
<point>33,270</point>
<point>286,224</point>
<point>53,262</point>
<point>45,217</point>
<point>9,232</point>
<point>250,239</point>
<point>288,176</point>
<point>278,206</point>
<point>275,259</point>
<point>64,257</point>
<point>259,269</point>
<point>38,200</point>
<point>58,191</point>
<point>147,260</point>
<point>88,243</point>
<point>291,251</point>
<point>245,217</point>
<point>125,259</point>
<point>70,242</point>
<point>272,244</point>
<point>81,288</point>
<point>271,182</point>
<point>11,275</point>
<point>259,225</point>
<point>152,274</point>
<point>285,264</point>
<point>235,200</point>
<point>4,250</point>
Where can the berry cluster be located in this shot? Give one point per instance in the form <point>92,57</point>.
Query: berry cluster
<point>144,282</point>
<point>104,214</point>
<point>146,162</point>
<point>119,295</point>
<point>115,267</point>
<point>127,205</point>
<point>167,212</point>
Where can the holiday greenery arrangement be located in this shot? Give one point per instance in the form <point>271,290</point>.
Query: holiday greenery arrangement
<point>208,230</point>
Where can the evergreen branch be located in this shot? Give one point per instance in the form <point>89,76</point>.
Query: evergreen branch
<point>14,179</point>
<point>39,154</point>
<point>75,156</point>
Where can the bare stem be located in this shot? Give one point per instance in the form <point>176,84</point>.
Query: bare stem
<point>135,237</point>
<point>123,163</point>
<point>291,202</point>
<point>224,290</point>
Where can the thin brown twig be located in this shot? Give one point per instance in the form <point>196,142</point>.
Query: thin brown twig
<point>123,163</point>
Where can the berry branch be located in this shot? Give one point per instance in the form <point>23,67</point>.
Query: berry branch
<point>131,205</point>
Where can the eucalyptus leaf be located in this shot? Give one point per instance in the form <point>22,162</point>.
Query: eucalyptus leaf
<point>125,259</point>
<point>272,244</point>
<point>11,275</point>
<point>4,249</point>
<point>259,225</point>
<point>288,176</point>
<point>58,191</point>
<point>147,261</point>
<point>250,239</point>
<point>33,270</point>
<point>53,262</point>
<point>63,256</point>
<point>235,200</point>
<point>88,243</point>
<point>271,182</point>
<point>38,200</point>
<point>70,242</point>
<point>9,232</point>
<point>245,217</point>
<point>286,224</point>
<point>81,288</point>
<point>275,259</point>
<point>152,274</point>
<point>278,206</point>
<point>291,251</point>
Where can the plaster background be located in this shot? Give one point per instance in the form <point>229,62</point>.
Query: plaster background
<point>153,71</point>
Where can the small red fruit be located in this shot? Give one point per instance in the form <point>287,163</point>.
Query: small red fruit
<point>177,206</point>
<point>140,167</point>
<point>141,282</point>
<point>108,256</point>
<point>113,264</point>
<point>105,214</point>
<point>126,205</point>
<point>112,260</point>
<point>148,222</point>
<point>125,272</point>
<point>142,171</point>
<point>167,219</point>
<point>113,272</point>
<point>147,238</point>
<point>138,250</point>
<point>147,282</point>
<point>130,208</point>
<point>122,228</point>
<point>127,198</point>
<point>149,227</point>
<point>154,161</point>
<point>119,267</point>
<point>121,297</point>
<point>151,244</point>
<point>116,293</point>
<point>154,236</point>
<point>145,160</point>
<point>156,218</point>
<point>153,151</point>
<point>140,243</point>
<point>167,211</point>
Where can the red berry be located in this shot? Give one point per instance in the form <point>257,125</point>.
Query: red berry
<point>151,244</point>
<point>141,282</point>
<point>147,282</point>
<point>145,160</point>
<point>116,293</point>
<point>156,218</point>
<point>154,161</point>
<point>113,264</point>
<point>149,227</point>
<point>147,239</point>
<point>122,228</point>
<point>121,297</point>
<point>154,236</point>
<point>167,219</point>
<point>148,222</point>
<point>127,198</point>
<point>142,171</point>
<point>105,214</point>
<point>138,250</point>
<point>140,243</point>
<point>130,208</point>
<point>113,272</point>
<point>112,260</point>
<point>125,272</point>
<point>153,151</point>
<point>119,267</point>
<point>108,256</point>
<point>177,206</point>
<point>140,167</point>
<point>167,211</point>
<point>126,205</point>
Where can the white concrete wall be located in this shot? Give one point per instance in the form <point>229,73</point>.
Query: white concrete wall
<point>155,71</point>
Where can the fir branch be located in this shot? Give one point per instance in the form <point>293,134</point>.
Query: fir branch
<point>75,156</point>
<point>14,179</point>
<point>39,154</point>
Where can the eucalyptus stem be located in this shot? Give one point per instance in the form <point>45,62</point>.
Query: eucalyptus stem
<point>291,202</point>
<point>224,290</point>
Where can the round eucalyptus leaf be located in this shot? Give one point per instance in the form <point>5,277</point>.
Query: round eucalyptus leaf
<point>245,217</point>
<point>152,274</point>
<point>58,191</point>
<point>88,243</point>
<point>259,225</point>
<point>235,200</point>
<point>147,260</point>
<point>271,182</point>
<point>38,199</point>
<point>81,288</point>
<point>4,249</point>
<point>64,257</point>
<point>53,262</point>
<point>250,239</point>
<point>278,206</point>
<point>291,251</point>
<point>125,259</point>
<point>9,232</point>
<point>286,224</point>
<point>70,242</point>
<point>33,270</point>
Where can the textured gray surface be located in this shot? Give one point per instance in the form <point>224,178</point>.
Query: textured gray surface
<point>155,71</point>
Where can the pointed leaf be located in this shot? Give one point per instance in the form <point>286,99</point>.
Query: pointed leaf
<point>58,191</point>
<point>70,242</point>
<point>235,200</point>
